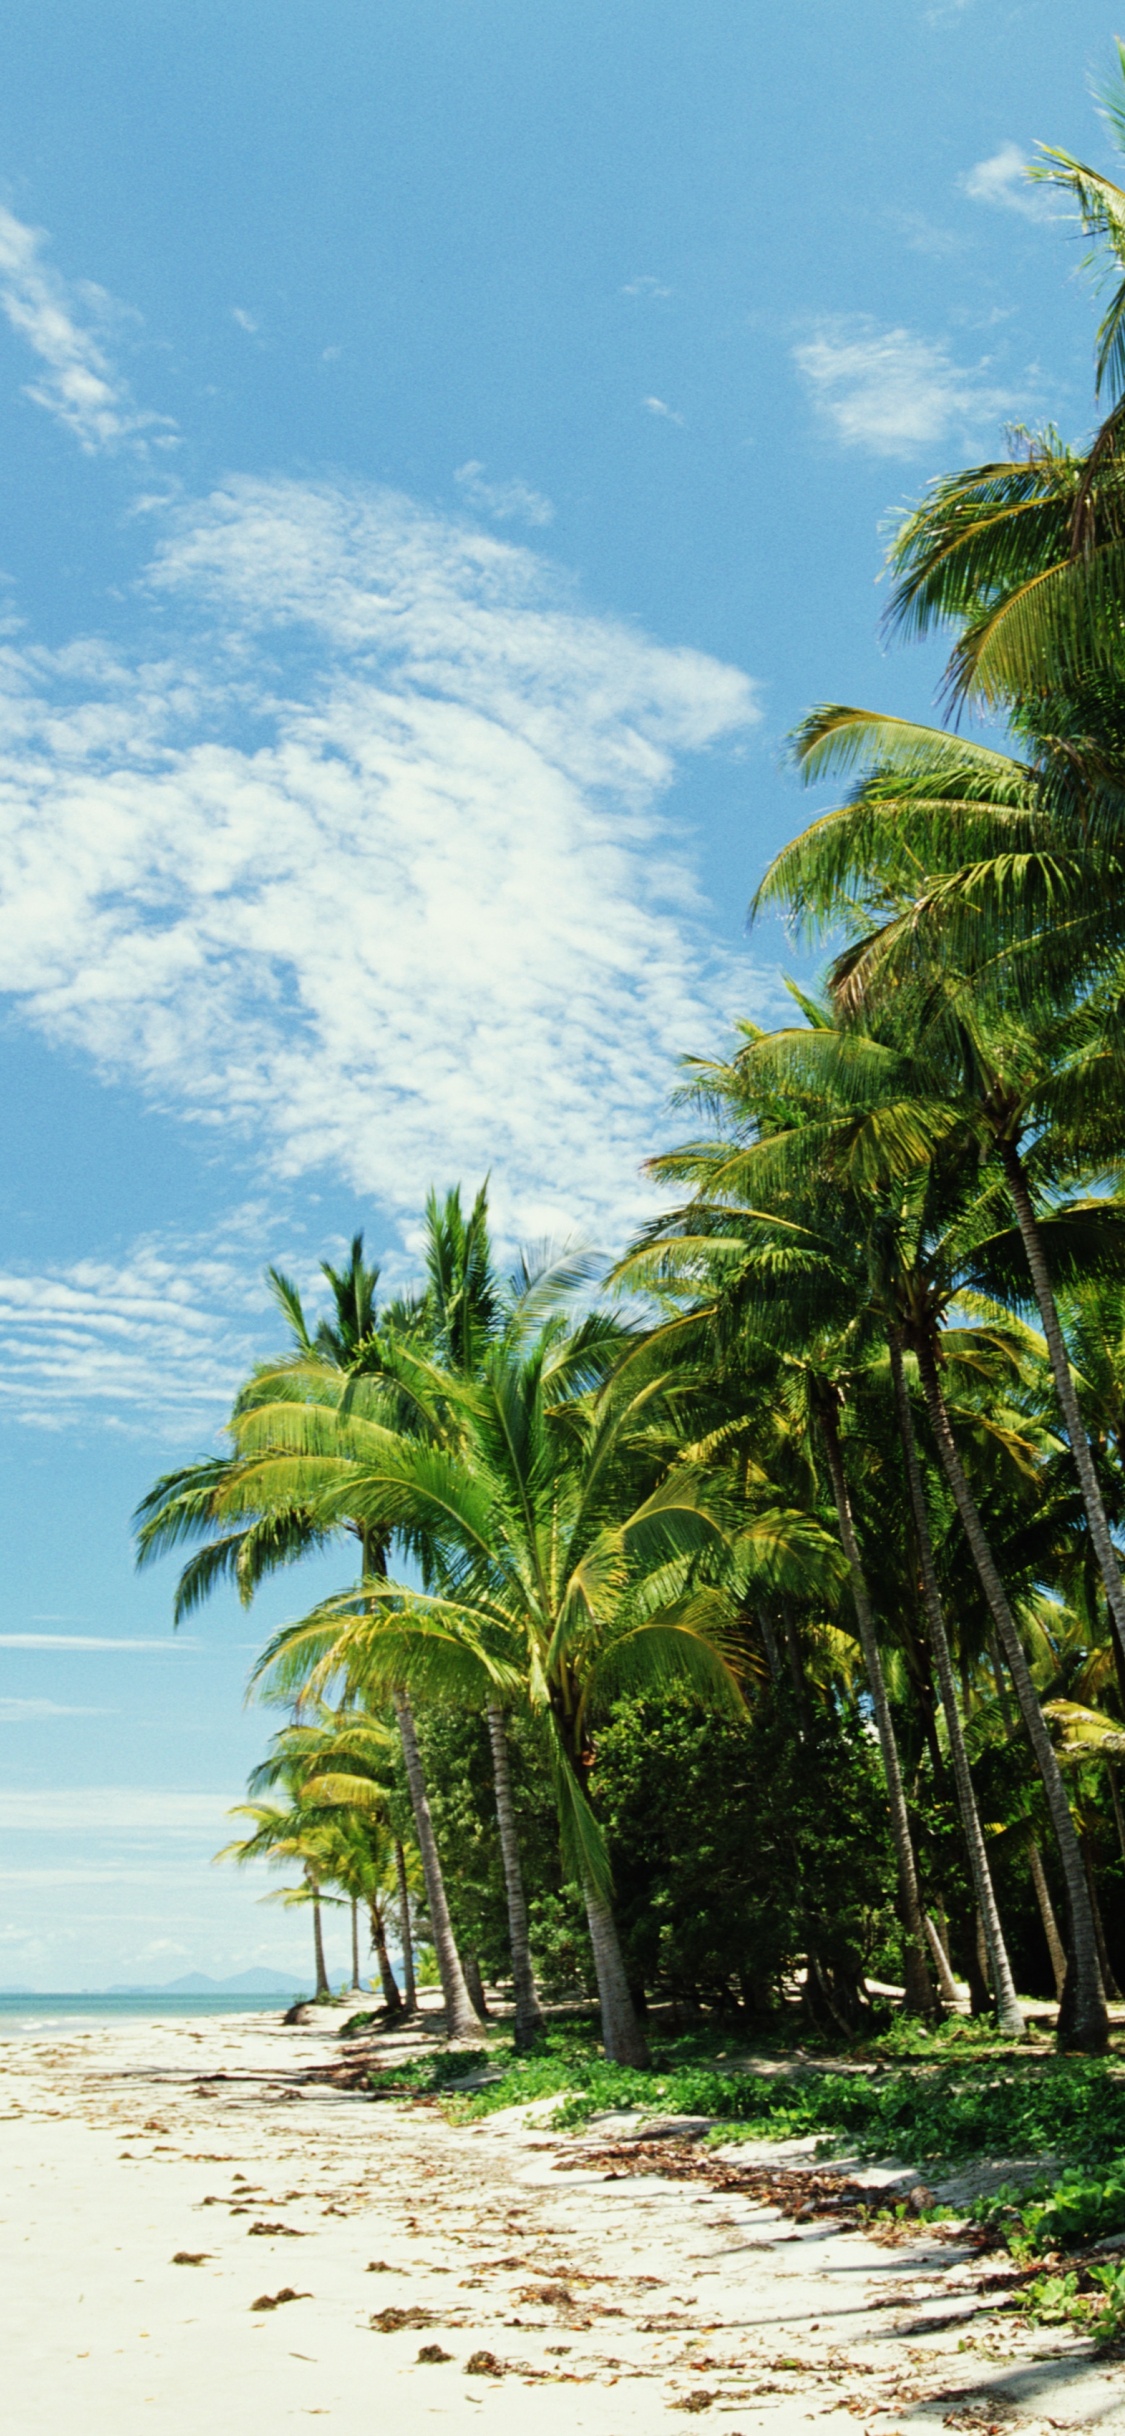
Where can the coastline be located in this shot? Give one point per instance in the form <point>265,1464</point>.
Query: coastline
<point>21,2014</point>
<point>167,2183</point>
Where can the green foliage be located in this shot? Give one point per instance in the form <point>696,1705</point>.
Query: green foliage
<point>1058,2213</point>
<point>458,1763</point>
<point>1068,2300</point>
<point>733,1840</point>
<point>933,2113</point>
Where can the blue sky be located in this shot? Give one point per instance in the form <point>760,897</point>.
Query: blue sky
<point>443,448</point>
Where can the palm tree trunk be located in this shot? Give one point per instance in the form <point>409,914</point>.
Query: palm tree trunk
<point>355,1941</point>
<point>470,1964</point>
<point>409,1990</point>
<point>1109,1981</point>
<point>946,1981</point>
<point>1008,2015</point>
<point>461,2017</point>
<point>1092,1498</point>
<point>1089,2027</point>
<point>982,1948</point>
<point>1055,1946</point>
<point>769,1644</point>
<point>622,2036</point>
<point>920,1996</point>
<point>1115,1797</point>
<point>322,1987</point>
<point>529,2019</point>
<point>391,1997</point>
<point>795,1662</point>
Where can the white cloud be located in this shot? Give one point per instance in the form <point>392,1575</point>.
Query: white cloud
<point>81,1641</point>
<point>245,320</point>
<point>658,406</point>
<point>370,863</point>
<point>1002,180</point>
<point>61,322</point>
<point>162,1334</point>
<point>30,1712</point>
<point>507,501</point>
<point>164,1816</point>
<point>893,393</point>
<point>645,286</point>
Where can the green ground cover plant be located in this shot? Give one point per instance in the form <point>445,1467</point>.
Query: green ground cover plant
<point>953,2105</point>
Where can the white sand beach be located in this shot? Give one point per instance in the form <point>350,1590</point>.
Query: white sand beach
<point>163,2181</point>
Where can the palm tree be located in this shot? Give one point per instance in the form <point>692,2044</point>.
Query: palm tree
<point>793,1286</point>
<point>572,1557</point>
<point>1024,556</point>
<point>250,1522</point>
<point>339,1758</point>
<point>761,1162</point>
<point>459,1312</point>
<point>284,1832</point>
<point>857,1118</point>
<point>1041,1087</point>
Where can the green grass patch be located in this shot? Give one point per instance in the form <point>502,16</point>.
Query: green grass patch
<point>1061,2212</point>
<point>958,2100</point>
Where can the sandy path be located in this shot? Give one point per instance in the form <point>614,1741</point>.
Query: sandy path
<point>608,2302</point>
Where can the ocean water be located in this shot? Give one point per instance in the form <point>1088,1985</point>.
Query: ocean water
<point>47,2016</point>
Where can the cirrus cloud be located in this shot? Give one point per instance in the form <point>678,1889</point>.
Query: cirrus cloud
<point>63,322</point>
<point>894,393</point>
<point>369,859</point>
<point>1002,180</point>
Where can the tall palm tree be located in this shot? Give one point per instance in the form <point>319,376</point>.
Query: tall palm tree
<point>787,1144</point>
<point>1040,1085</point>
<point>931,1236</point>
<point>282,1832</point>
<point>1026,557</point>
<point>340,1758</point>
<point>249,1521</point>
<point>572,1558</point>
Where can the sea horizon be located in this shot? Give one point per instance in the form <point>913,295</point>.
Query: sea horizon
<point>28,2010</point>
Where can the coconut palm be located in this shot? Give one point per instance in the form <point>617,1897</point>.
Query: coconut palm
<point>282,1832</point>
<point>856,1118</point>
<point>340,1759</point>
<point>249,1522</point>
<point>572,1556</point>
<point>1040,1084</point>
<point>773,1153</point>
<point>460,1310</point>
<point>1025,556</point>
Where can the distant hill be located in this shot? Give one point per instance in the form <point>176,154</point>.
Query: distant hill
<point>260,1981</point>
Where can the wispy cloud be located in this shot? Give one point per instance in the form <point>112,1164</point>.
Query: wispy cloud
<point>894,393</point>
<point>31,1712</point>
<point>924,236</point>
<point>378,872</point>
<point>509,502</point>
<point>64,324</point>
<point>1002,180</point>
<point>645,286</point>
<point>245,320</point>
<point>659,406</point>
<point>112,1809</point>
<point>73,1641</point>
<point>161,1336</point>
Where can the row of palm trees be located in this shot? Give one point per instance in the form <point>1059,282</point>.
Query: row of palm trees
<point>853,1416</point>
